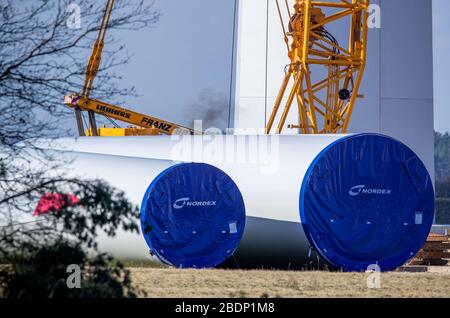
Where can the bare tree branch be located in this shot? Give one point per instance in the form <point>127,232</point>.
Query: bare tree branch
<point>41,60</point>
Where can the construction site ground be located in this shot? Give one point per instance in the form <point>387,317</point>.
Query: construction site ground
<point>157,282</point>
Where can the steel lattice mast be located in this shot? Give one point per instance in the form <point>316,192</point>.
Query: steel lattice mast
<point>325,103</point>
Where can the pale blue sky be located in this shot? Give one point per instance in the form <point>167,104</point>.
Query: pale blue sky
<point>441,25</point>
<point>199,44</point>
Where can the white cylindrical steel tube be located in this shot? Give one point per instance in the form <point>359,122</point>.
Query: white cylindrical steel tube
<point>332,194</point>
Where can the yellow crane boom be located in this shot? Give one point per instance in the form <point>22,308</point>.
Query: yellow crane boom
<point>146,125</point>
<point>332,95</point>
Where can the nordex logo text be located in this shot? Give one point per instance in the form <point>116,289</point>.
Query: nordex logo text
<point>362,189</point>
<point>183,202</point>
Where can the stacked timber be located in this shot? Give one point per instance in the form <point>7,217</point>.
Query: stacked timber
<point>435,252</point>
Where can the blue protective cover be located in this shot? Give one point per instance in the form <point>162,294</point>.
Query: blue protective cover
<point>193,216</point>
<point>367,200</point>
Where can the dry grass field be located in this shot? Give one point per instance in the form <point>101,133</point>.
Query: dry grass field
<point>163,282</point>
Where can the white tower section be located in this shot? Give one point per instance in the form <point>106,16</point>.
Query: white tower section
<point>398,82</point>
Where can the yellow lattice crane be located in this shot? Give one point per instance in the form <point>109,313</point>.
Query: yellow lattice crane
<point>325,98</point>
<point>143,124</point>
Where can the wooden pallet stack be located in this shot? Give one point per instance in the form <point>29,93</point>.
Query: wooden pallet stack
<point>435,252</point>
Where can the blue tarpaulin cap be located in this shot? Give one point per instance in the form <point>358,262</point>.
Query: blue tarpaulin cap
<point>367,200</point>
<point>193,216</point>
